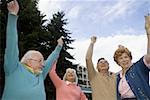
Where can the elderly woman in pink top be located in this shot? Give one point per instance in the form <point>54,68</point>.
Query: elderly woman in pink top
<point>66,89</point>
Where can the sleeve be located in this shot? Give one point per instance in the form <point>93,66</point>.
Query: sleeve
<point>11,58</point>
<point>89,62</point>
<point>90,69</point>
<point>54,77</point>
<point>50,60</point>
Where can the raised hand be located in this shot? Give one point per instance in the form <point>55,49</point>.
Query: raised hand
<point>60,41</point>
<point>13,7</point>
<point>121,46</point>
<point>147,24</point>
<point>93,39</point>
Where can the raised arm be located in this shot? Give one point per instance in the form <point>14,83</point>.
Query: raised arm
<point>89,62</point>
<point>147,27</point>
<point>54,77</point>
<point>52,57</point>
<point>11,51</point>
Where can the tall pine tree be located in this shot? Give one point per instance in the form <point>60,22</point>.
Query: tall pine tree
<point>30,26</point>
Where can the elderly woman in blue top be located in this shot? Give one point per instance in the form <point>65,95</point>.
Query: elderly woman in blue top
<point>24,80</point>
<point>133,80</point>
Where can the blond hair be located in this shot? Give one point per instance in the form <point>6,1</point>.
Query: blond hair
<point>74,71</point>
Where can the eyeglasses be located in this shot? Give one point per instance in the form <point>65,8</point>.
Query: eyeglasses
<point>103,61</point>
<point>40,61</point>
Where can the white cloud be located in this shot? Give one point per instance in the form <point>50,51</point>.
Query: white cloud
<point>74,12</point>
<point>49,7</point>
<point>105,47</point>
<point>129,30</point>
<point>119,9</point>
<point>97,15</point>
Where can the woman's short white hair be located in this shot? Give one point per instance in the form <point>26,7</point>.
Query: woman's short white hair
<point>28,55</point>
<point>74,71</point>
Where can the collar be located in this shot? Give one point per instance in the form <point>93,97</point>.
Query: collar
<point>30,69</point>
<point>121,72</point>
<point>68,83</point>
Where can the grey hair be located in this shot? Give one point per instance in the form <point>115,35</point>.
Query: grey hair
<point>29,55</point>
<point>70,69</point>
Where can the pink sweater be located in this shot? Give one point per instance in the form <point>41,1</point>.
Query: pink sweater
<point>65,91</point>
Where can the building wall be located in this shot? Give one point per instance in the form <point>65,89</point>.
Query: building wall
<point>83,81</point>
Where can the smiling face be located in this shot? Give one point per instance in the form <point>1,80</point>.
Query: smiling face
<point>124,61</point>
<point>36,62</point>
<point>102,65</point>
<point>123,57</point>
<point>34,59</point>
<point>70,75</point>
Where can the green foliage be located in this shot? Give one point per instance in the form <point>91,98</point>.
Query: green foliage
<point>30,26</point>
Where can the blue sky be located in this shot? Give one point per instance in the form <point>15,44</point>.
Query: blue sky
<point>114,22</point>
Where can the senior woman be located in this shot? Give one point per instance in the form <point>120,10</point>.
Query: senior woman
<point>66,89</point>
<point>133,80</point>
